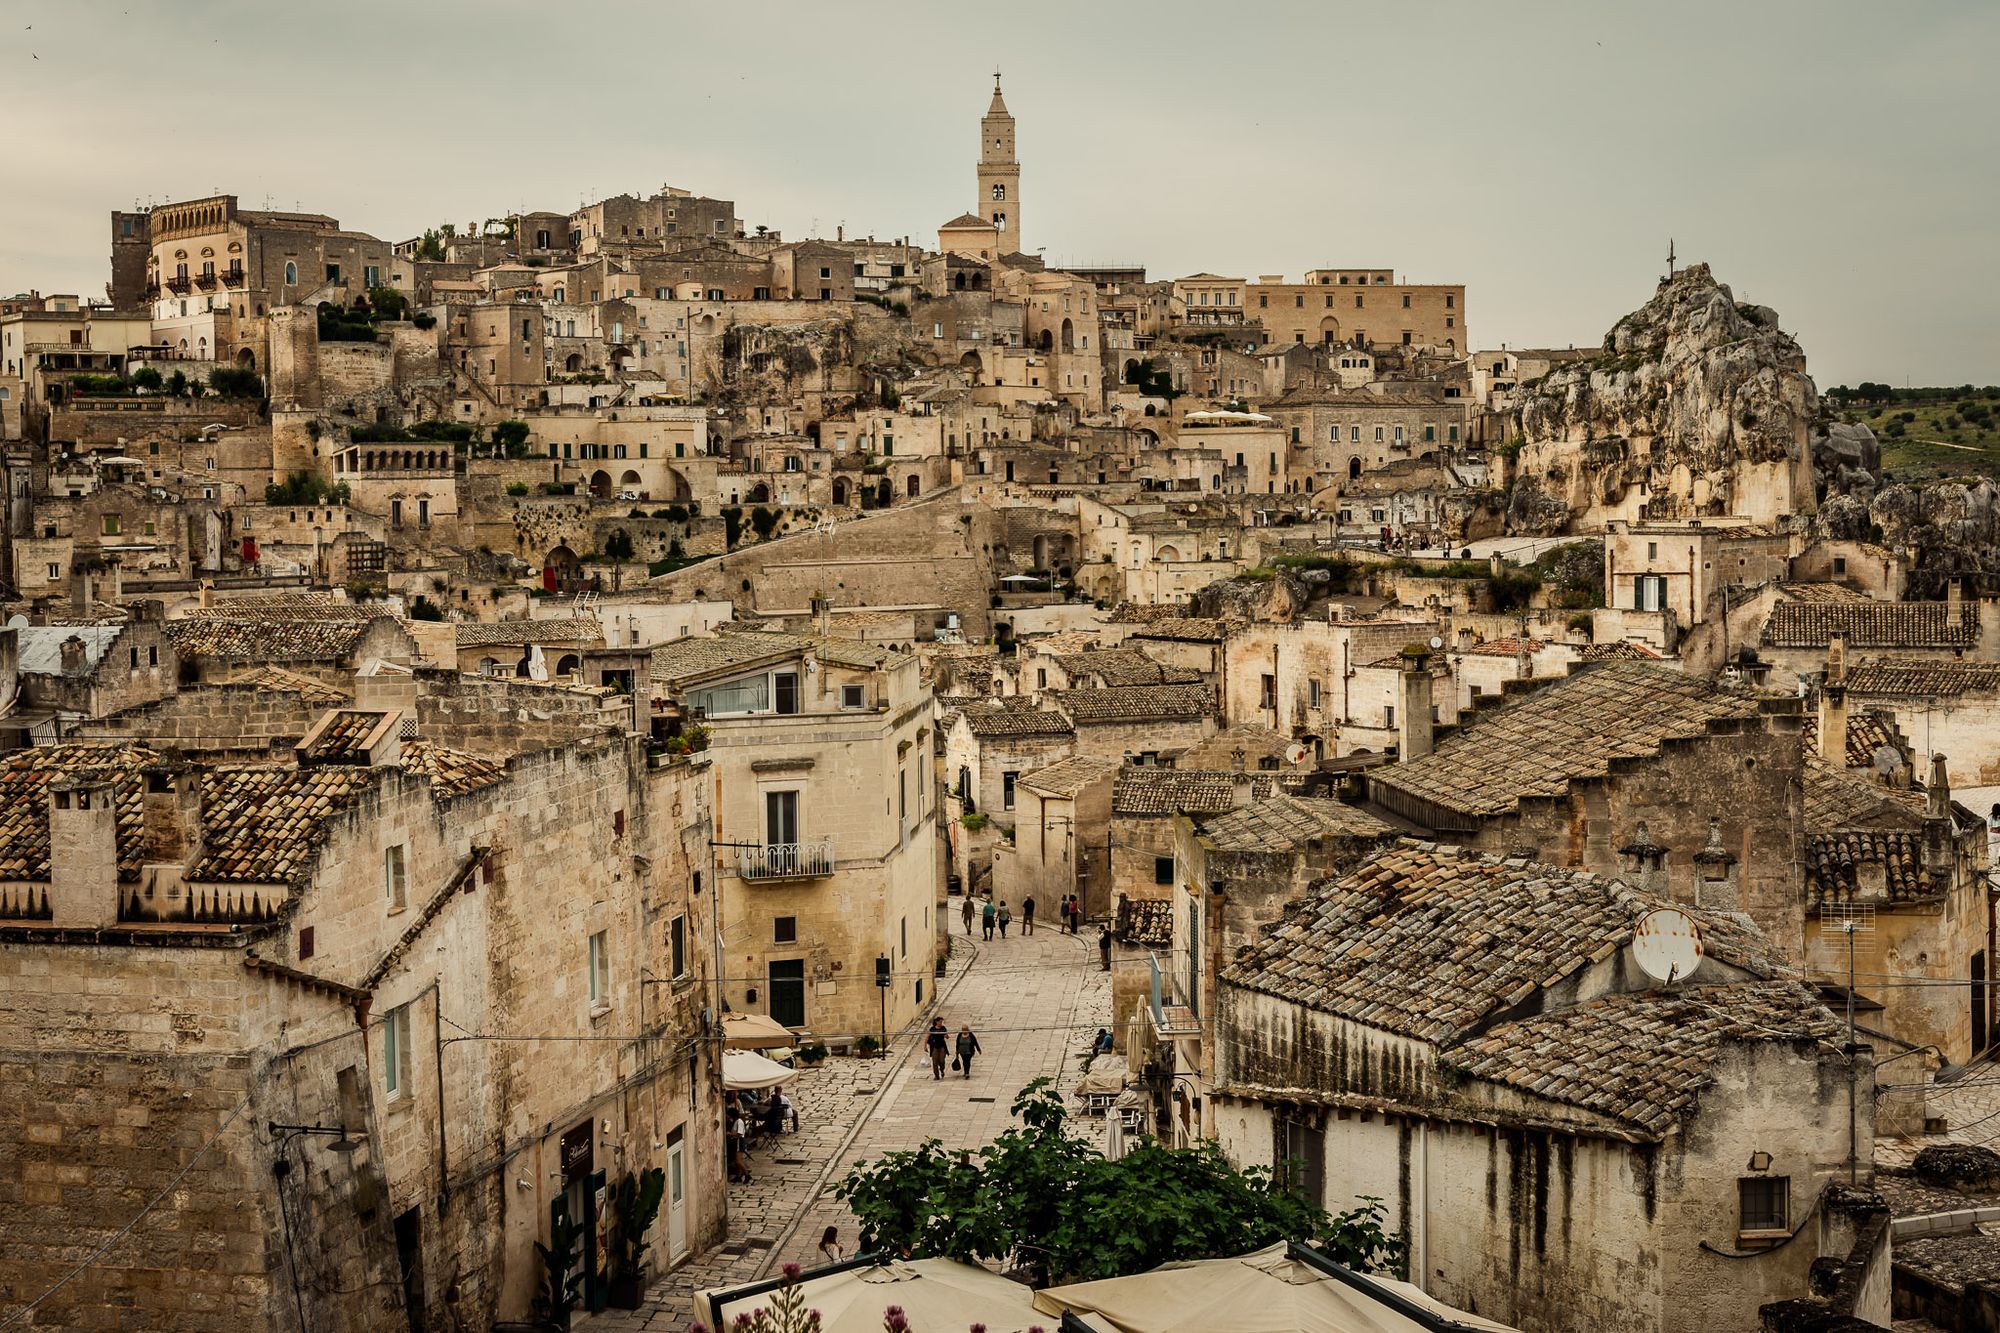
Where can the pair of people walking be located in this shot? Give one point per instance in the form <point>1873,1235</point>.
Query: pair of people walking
<point>1072,914</point>
<point>994,916</point>
<point>938,1041</point>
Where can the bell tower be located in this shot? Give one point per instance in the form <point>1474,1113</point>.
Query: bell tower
<point>999,174</point>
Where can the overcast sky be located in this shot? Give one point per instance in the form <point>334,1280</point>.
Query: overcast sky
<point>1834,160</point>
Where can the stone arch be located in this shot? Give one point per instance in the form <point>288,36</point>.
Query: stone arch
<point>1068,336</point>
<point>1047,342</point>
<point>600,484</point>
<point>1166,554</point>
<point>760,494</point>
<point>958,282</point>
<point>573,362</point>
<point>1329,330</point>
<point>913,485</point>
<point>246,359</point>
<point>568,664</point>
<point>487,666</point>
<point>708,323</point>
<point>1354,468</point>
<point>629,481</point>
<point>840,490</point>
<point>972,366</point>
<point>561,570</point>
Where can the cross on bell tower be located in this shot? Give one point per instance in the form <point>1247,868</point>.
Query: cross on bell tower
<point>999,173</point>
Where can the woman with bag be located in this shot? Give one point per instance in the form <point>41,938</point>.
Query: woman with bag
<point>968,1046</point>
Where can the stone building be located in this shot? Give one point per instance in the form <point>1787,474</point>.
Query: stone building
<point>989,746</point>
<point>1954,705</point>
<point>1560,1138</point>
<point>819,889</point>
<point>1359,307</point>
<point>363,1022</point>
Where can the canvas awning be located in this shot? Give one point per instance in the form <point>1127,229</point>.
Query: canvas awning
<point>1107,1075</point>
<point>747,1069</point>
<point>932,1293</point>
<point>754,1032</point>
<point>1269,1291</point>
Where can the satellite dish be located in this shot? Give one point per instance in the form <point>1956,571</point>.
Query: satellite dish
<point>1436,643</point>
<point>1296,753</point>
<point>1667,944</point>
<point>1887,760</point>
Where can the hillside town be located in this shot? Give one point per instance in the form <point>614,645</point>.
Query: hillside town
<point>1533,805</point>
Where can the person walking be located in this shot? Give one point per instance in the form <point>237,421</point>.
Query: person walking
<point>968,1046</point>
<point>966,912</point>
<point>1005,917</point>
<point>936,1041</point>
<point>1028,915</point>
<point>986,920</point>
<point>1075,916</point>
<point>1104,947</point>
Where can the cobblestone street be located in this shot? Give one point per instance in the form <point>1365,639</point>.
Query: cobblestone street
<point>1034,1001</point>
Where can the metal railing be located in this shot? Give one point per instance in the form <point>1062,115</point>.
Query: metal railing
<point>786,860</point>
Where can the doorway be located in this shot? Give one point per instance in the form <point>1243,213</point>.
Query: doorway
<point>410,1258</point>
<point>788,991</point>
<point>676,1196</point>
<point>1980,1005</point>
<point>582,1202</point>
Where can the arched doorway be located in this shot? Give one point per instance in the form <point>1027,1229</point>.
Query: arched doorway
<point>629,482</point>
<point>573,362</point>
<point>1354,468</point>
<point>760,494</point>
<point>913,485</point>
<point>568,664</point>
<point>246,360</point>
<point>600,484</point>
<point>1068,336</point>
<point>972,366</point>
<point>561,570</point>
<point>1048,341</point>
<point>840,490</point>
<point>1329,330</point>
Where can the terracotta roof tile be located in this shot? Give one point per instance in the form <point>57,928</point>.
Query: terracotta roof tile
<point>262,825</point>
<point>1067,777</point>
<point>1873,624</point>
<point>452,772</point>
<point>1148,921</point>
<point>1916,676</point>
<point>24,802</point>
<point>267,640</point>
<point>1573,729</point>
<point>583,630</point>
<point>1012,715</point>
<point>1145,790</point>
<point>277,680</point>
<point>1281,822</point>
<point>1135,703</point>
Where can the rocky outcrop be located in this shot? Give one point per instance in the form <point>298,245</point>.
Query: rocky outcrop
<point>1846,460</point>
<point>1697,406</point>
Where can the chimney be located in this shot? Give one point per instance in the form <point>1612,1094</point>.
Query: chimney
<point>1413,717</point>
<point>83,853</point>
<point>171,820</point>
<point>1833,704</point>
<point>1524,658</point>
<point>1646,862</point>
<point>1939,853</point>
<point>73,655</point>
<point>1954,598</point>
<point>1937,796</point>
<point>1715,872</point>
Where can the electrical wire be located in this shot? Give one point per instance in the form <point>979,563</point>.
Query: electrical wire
<point>126,1230</point>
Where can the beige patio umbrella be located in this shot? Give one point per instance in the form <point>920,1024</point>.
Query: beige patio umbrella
<point>1269,1291</point>
<point>754,1032</point>
<point>937,1295</point>
<point>747,1069</point>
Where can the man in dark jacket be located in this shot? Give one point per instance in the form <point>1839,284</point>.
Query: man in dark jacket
<point>968,1046</point>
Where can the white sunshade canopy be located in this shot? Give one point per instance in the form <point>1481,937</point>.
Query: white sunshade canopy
<point>754,1032</point>
<point>933,1293</point>
<point>747,1069</point>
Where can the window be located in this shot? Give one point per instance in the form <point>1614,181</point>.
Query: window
<point>1269,691</point>
<point>1301,1152</point>
<point>1840,564</point>
<point>784,930</point>
<point>1312,693</point>
<point>1764,1202</point>
<point>1649,592</point>
<point>1007,790</point>
<point>787,691</point>
<point>850,696</point>
<point>905,948</point>
<point>396,1053</point>
<point>1449,300</point>
<point>600,972</point>
<point>1406,300</point>
<point>1652,550</point>
<point>1163,870</point>
<point>333,273</point>
<point>291,274</point>
<point>395,878</point>
<point>677,947</point>
<point>111,525</point>
<point>1389,715</point>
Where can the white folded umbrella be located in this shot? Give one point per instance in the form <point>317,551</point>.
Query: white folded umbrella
<point>747,1069</point>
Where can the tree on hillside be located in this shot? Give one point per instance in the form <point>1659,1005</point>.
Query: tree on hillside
<point>1048,1205</point>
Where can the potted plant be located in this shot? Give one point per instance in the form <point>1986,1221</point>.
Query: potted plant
<point>560,1277</point>
<point>866,1047</point>
<point>635,1202</point>
<point>812,1053</point>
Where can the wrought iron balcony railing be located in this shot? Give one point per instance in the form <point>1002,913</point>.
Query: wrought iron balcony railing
<point>786,860</point>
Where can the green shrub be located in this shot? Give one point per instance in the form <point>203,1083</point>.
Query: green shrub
<point>618,546</point>
<point>517,488</point>
<point>387,302</point>
<point>765,521</point>
<point>303,488</point>
<point>145,377</point>
<point>732,525</point>
<point>230,382</point>
<point>511,437</point>
<point>424,609</point>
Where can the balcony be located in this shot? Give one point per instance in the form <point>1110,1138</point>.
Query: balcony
<point>232,277</point>
<point>180,284</point>
<point>786,860</point>
<point>205,281</point>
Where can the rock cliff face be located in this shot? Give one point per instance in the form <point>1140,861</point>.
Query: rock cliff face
<point>1847,460</point>
<point>1945,528</point>
<point>1697,406</point>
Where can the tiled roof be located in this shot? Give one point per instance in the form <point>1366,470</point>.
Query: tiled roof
<point>1506,647</point>
<point>1067,777</point>
<point>261,825</point>
<point>1836,798</point>
<point>345,733</point>
<point>1144,790</point>
<point>1873,624</point>
<point>1013,715</point>
<point>266,640</point>
<point>1573,729</point>
<point>1203,628</point>
<point>1834,861</point>
<point>1915,676</point>
<point>1821,592</point>
<point>286,606</point>
<point>1135,703</point>
<point>1621,650</point>
<point>24,802</point>
<point>452,772</point>
<point>1429,941</point>
<point>1641,1057</point>
<point>1281,822</point>
<point>277,680</point>
<point>1148,921</point>
<point>695,657</point>
<point>1125,666</point>
<point>571,630</point>
<point>1867,732</point>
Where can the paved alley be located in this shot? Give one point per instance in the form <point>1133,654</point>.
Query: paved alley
<point>1034,1001</point>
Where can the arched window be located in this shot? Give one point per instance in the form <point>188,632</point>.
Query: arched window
<point>999,192</point>
<point>291,274</point>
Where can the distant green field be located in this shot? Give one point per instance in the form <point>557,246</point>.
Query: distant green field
<point>1925,438</point>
